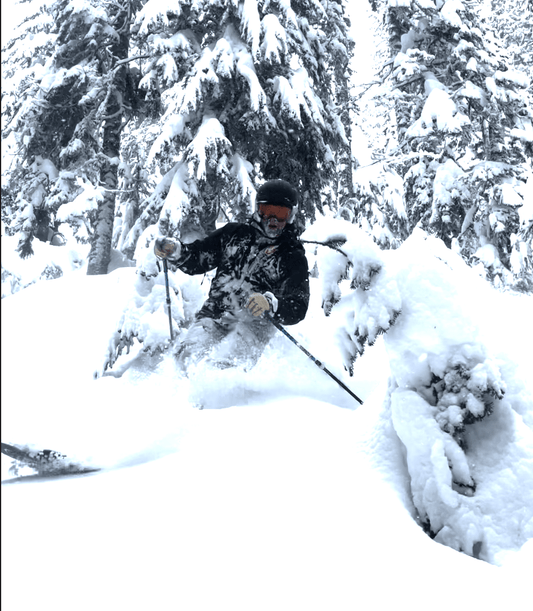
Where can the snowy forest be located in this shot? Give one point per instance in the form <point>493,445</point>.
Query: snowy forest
<point>406,127</point>
<point>126,120</point>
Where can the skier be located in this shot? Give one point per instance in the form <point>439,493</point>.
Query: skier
<point>261,269</point>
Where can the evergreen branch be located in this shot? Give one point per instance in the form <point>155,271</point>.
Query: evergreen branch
<point>370,85</point>
<point>101,186</point>
<point>398,160</point>
<point>328,244</point>
<point>413,79</point>
<point>131,59</point>
<point>425,10</point>
<point>389,63</point>
<point>417,77</point>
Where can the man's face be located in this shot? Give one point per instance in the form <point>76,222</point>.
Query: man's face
<point>273,219</point>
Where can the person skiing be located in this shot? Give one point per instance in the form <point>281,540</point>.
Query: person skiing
<point>261,269</point>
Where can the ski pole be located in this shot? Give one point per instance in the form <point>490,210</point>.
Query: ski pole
<point>315,361</point>
<point>165,269</point>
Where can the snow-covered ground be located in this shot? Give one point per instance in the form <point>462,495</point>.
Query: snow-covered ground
<point>288,496</point>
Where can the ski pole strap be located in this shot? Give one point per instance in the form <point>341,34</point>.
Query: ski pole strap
<point>318,363</point>
<point>165,269</point>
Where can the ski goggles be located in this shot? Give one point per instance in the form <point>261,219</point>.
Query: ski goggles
<point>280,213</point>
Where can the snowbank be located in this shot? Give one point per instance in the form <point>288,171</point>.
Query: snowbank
<point>285,499</point>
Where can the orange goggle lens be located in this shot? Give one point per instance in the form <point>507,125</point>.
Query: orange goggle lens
<point>280,213</point>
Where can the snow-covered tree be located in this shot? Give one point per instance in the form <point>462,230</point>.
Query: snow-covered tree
<point>247,91</point>
<point>27,174</point>
<point>464,128</point>
<point>378,204</point>
<point>64,103</point>
<point>340,46</point>
<point>377,200</point>
<point>114,109</point>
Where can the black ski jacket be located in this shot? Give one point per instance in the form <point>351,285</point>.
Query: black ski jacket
<point>247,262</point>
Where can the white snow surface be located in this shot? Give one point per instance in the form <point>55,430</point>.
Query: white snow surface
<point>282,493</point>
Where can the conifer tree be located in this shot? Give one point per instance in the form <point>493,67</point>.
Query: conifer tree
<point>246,90</point>
<point>65,104</point>
<point>464,124</point>
<point>28,174</point>
<point>341,50</point>
<point>113,66</point>
<point>376,202</point>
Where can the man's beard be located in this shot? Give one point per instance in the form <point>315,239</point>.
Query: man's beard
<point>272,232</point>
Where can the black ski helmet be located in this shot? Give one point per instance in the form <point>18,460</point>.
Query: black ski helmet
<point>277,192</point>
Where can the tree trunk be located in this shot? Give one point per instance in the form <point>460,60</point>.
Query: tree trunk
<point>100,254</point>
